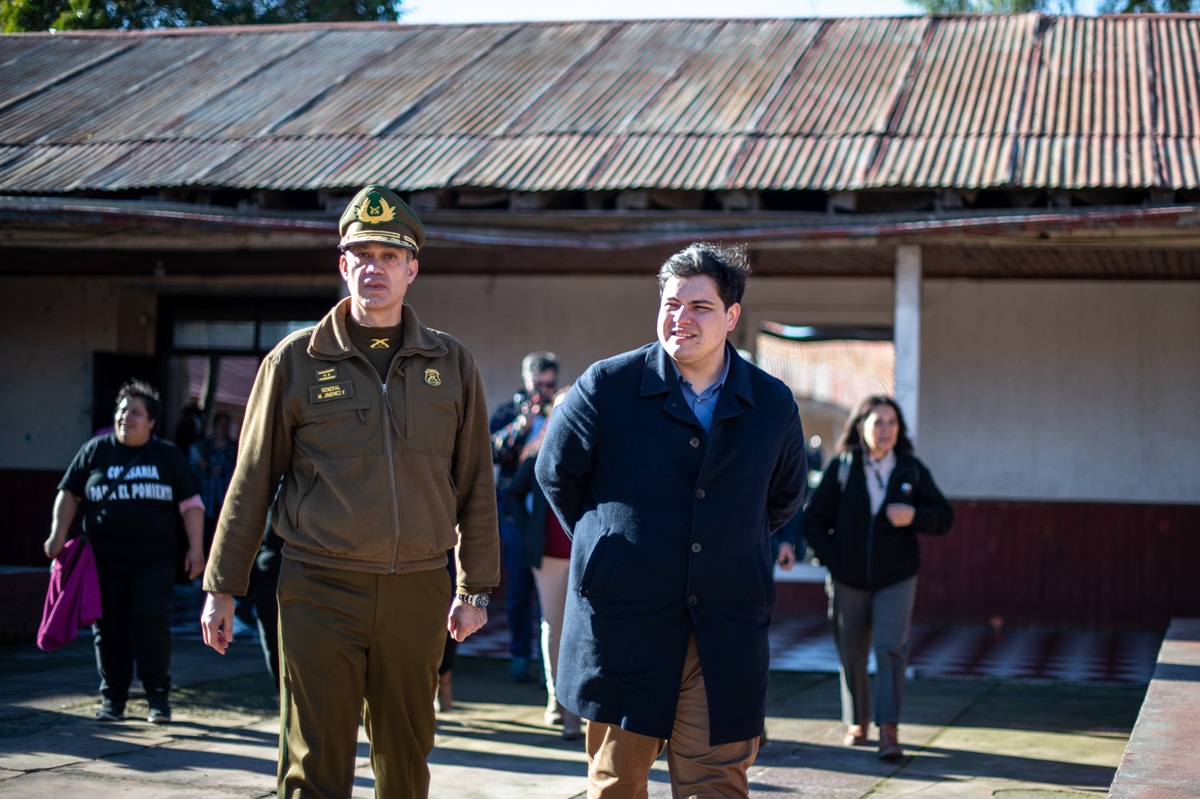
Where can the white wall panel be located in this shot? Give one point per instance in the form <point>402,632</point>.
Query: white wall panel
<point>1062,390</point>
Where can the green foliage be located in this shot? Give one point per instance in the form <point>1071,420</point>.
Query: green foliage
<point>1148,6</point>
<point>994,6</point>
<point>1052,6</point>
<point>42,15</point>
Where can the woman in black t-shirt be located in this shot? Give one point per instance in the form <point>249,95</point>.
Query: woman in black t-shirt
<point>131,488</point>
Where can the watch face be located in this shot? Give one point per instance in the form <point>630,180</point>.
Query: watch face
<point>475,600</point>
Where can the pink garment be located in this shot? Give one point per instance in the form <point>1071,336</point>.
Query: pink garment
<point>73,597</point>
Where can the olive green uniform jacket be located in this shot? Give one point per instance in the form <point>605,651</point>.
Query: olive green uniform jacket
<point>377,476</point>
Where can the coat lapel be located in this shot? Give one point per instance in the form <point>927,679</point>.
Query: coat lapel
<point>658,377</point>
<point>737,389</point>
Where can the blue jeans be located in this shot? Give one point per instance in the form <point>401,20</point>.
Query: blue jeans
<point>520,598</point>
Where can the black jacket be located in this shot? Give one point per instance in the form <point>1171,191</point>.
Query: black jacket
<point>867,552</point>
<point>670,531</point>
<point>532,524</point>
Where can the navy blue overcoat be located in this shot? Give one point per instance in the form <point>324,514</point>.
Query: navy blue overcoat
<point>670,530</point>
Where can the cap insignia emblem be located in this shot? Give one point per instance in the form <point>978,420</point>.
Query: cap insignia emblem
<point>433,377</point>
<point>374,213</point>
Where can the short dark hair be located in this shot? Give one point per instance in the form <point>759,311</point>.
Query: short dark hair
<point>852,436</point>
<point>536,362</point>
<point>727,266</point>
<point>148,394</point>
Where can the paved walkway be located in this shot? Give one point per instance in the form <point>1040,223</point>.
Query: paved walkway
<point>969,738</point>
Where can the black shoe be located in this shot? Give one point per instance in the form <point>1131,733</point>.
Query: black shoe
<point>160,710</point>
<point>110,711</point>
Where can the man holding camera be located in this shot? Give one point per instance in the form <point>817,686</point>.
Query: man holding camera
<point>513,425</point>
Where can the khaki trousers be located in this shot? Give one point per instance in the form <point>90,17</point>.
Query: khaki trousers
<point>619,761</point>
<point>356,644</point>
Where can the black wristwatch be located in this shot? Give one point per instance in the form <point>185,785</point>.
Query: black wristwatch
<point>476,600</point>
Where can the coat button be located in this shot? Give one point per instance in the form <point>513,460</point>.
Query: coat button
<point>692,600</point>
<point>699,493</point>
<point>695,442</point>
<point>696,547</point>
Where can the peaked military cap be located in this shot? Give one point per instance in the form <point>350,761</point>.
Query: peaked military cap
<point>377,214</point>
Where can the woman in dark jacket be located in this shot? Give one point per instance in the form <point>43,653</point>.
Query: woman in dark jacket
<point>862,524</point>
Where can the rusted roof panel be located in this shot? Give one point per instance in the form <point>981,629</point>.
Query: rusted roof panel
<point>526,163</point>
<point>162,164</point>
<point>1094,79</point>
<point>58,169</point>
<point>692,163</point>
<point>1020,101</point>
<point>67,110</point>
<point>390,76</point>
<point>1179,167</point>
<point>969,79</point>
<point>961,162</point>
<point>821,163</point>
<point>1084,162</point>
<point>1177,74</point>
<point>849,80</point>
<point>282,163</point>
<point>500,91</point>
<point>409,164</point>
<point>607,91</point>
<point>726,85</point>
<point>34,63</point>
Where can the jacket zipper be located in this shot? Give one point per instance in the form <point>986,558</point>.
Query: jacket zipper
<point>304,500</point>
<point>388,426</point>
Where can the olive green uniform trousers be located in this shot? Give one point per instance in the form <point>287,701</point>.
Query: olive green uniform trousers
<point>358,644</point>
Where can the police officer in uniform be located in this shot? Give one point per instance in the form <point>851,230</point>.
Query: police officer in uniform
<point>377,427</point>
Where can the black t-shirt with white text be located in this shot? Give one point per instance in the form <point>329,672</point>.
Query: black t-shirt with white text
<point>138,523</point>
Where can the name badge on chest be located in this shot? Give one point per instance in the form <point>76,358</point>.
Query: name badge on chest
<point>330,391</point>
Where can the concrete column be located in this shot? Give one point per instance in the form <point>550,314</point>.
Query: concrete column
<point>906,334</point>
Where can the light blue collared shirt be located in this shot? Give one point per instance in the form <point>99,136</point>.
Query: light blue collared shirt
<point>704,403</point>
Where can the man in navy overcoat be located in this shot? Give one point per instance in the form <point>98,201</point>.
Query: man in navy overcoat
<point>670,466</point>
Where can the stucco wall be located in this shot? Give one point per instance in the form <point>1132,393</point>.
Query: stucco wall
<point>1066,391</point>
<point>584,319</point>
<point>1062,390</point>
<point>50,329</point>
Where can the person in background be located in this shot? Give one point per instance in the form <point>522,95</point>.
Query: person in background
<point>790,544</point>
<point>549,552</point>
<point>377,426</point>
<point>512,426</point>
<point>670,467</point>
<point>862,524</point>
<point>132,488</point>
<point>212,460</point>
<point>264,582</point>
<point>190,427</point>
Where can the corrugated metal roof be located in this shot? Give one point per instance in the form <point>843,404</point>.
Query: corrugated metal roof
<point>963,102</point>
